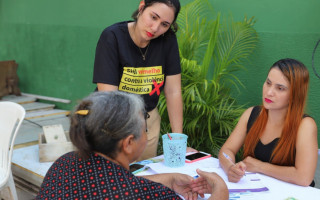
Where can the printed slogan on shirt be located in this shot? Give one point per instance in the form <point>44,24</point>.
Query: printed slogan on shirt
<point>140,80</point>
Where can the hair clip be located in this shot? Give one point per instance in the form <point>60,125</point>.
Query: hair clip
<point>82,112</point>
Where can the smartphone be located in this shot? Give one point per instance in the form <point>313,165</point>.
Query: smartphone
<point>135,168</point>
<point>196,157</point>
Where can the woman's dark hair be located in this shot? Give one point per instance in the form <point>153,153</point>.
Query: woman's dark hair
<point>110,117</point>
<point>171,3</point>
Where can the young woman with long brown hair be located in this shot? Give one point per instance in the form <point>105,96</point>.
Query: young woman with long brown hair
<point>278,138</point>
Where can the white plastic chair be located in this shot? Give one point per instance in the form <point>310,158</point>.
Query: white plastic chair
<point>317,174</point>
<point>11,117</point>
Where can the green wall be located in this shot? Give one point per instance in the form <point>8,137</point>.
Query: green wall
<point>54,42</point>
<point>286,28</point>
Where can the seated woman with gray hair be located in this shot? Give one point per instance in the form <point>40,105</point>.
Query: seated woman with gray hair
<point>109,131</point>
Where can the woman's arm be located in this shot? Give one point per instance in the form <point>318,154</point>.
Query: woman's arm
<point>306,158</point>
<point>180,183</point>
<point>232,146</point>
<point>189,188</point>
<point>210,183</point>
<point>106,87</point>
<point>172,91</point>
<point>166,179</point>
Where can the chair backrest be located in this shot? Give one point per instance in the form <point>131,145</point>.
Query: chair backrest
<point>11,117</point>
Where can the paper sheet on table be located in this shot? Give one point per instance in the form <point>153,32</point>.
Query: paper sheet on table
<point>251,182</point>
<point>188,168</point>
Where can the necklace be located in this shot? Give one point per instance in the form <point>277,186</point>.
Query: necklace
<point>145,53</point>
<point>132,35</point>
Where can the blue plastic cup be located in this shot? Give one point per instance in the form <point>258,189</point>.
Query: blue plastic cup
<point>174,150</point>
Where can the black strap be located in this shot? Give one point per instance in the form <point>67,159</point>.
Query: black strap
<point>253,116</point>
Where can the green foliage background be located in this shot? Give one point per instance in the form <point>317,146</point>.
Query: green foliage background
<point>211,51</point>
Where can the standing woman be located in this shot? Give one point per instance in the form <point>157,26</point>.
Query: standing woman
<point>279,139</point>
<point>142,57</point>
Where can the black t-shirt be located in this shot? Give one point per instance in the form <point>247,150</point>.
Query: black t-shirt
<point>119,62</point>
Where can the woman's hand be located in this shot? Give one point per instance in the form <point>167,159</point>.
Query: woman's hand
<point>236,172</point>
<point>181,184</point>
<point>210,183</point>
<point>253,165</point>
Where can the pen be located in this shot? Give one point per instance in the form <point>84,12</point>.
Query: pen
<point>228,157</point>
<point>169,136</point>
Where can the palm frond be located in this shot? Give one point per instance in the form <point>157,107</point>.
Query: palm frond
<point>211,47</point>
<point>192,12</point>
<point>237,40</point>
<point>219,47</point>
<point>192,35</point>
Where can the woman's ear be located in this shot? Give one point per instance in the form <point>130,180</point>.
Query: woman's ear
<point>141,5</point>
<point>128,144</point>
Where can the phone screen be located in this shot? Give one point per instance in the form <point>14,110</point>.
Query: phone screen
<point>196,156</point>
<point>135,167</point>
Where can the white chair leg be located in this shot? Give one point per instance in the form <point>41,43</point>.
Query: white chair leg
<point>12,188</point>
<point>5,194</point>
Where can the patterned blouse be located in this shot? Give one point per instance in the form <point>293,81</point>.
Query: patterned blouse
<point>71,177</point>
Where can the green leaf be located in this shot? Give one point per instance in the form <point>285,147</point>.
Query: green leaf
<point>212,49</point>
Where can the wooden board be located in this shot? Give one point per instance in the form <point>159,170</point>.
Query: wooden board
<point>44,118</point>
<point>18,146</point>
<point>19,99</point>
<point>29,132</point>
<point>35,106</point>
<point>49,152</point>
<point>25,189</point>
<point>54,134</point>
<point>45,113</point>
<point>26,165</point>
<point>6,193</point>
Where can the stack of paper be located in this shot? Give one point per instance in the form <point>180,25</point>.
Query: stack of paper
<point>249,183</point>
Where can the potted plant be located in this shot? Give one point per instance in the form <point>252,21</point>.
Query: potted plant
<point>210,51</point>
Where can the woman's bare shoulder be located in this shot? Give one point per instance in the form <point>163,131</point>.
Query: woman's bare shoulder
<point>308,125</point>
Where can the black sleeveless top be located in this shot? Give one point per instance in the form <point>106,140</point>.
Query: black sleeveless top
<point>263,151</point>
